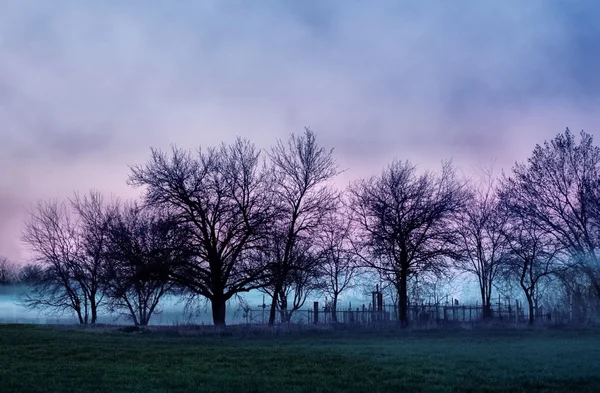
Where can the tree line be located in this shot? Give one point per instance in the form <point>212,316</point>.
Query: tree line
<point>221,221</point>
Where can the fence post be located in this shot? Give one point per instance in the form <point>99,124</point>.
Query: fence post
<point>316,312</point>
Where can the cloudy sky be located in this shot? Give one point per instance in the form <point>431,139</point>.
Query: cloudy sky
<point>87,87</point>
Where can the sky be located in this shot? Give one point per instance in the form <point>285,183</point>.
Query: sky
<point>86,88</point>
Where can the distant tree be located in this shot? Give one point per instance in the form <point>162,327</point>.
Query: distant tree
<point>558,189</point>
<point>407,223</point>
<point>8,272</point>
<point>302,279</point>
<point>31,274</point>
<point>482,237</point>
<point>577,294</point>
<point>67,241</point>
<point>303,197</point>
<point>338,263</point>
<point>433,287</point>
<point>222,194</point>
<point>51,234</point>
<point>91,231</point>
<point>535,256</point>
<point>144,247</point>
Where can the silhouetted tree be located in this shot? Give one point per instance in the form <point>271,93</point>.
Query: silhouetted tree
<point>407,222</point>
<point>144,247</point>
<point>31,274</point>
<point>51,235</point>
<point>433,287</point>
<point>303,277</point>
<point>68,242</point>
<point>558,190</point>
<point>577,294</point>
<point>8,272</point>
<point>91,231</point>
<point>303,197</point>
<point>534,256</point>
<point>338,263</point>
<point>222,194</point>
<point>482,238</point>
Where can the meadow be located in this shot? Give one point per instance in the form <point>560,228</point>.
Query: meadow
<point>37,358</point>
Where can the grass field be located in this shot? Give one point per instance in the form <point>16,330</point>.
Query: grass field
<point>47,359</point>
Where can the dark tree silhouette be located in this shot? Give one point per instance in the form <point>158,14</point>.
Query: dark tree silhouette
<point>534,255</point>
<point>482,238</point>
<point>144,247</point>
<point>31,274</point>
<point>407,223</point>
<point>222,194</point>
<point>303,197</point>
<point>51,235</point>
<point>338,263</point>
<point>92,232</point>
<point>8,272</point>
<point>557,189</point>
<point>302,277</point>
<point>68,242</point>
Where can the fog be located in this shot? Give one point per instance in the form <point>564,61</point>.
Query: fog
<point>174,311</point>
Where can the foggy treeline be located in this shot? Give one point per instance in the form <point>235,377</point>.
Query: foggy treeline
<point>221,221</point>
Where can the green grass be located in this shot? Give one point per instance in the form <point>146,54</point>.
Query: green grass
<point>46,359</point>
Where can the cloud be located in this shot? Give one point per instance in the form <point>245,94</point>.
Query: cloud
<point>86,88</point>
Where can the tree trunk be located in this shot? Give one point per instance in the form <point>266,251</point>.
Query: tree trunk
<point>274,301</point>
<point>219,307</point>
<point>487,310</point>
<point>85,310</point>
<point>273,309</point>
<point>143,314</point>
<point>531,308</point>
<point>486,304</point>
<point>403,298</point>
<point>80,317</point>
<point>334,308</point>
<point>94,309</point>
<point>283,309</point>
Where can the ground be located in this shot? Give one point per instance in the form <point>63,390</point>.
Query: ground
<point>50,359</point>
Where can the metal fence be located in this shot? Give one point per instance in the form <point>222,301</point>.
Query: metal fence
<point>423,315</point>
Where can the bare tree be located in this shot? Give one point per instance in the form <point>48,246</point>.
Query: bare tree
<point>433,287</point>
<point>558,190</point>
<point>303,197</point>
<point>31,274</point>
<point>143,248</point>
<point>52,236</point>
<point>92,233</point>
<point>302,276</point>
<point>303,280</point>
<point>535,256</point>
<point>338,263</point>
<point>8,272</point>
<point>578,295</point>
<point>223,195</point>
<point>406,223</point>
<point>68,243</point>
<point>482,238</point>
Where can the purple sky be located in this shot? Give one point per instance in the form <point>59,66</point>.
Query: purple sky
<point>87,87</point>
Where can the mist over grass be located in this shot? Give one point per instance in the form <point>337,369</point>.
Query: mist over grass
<point>173,309</point>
